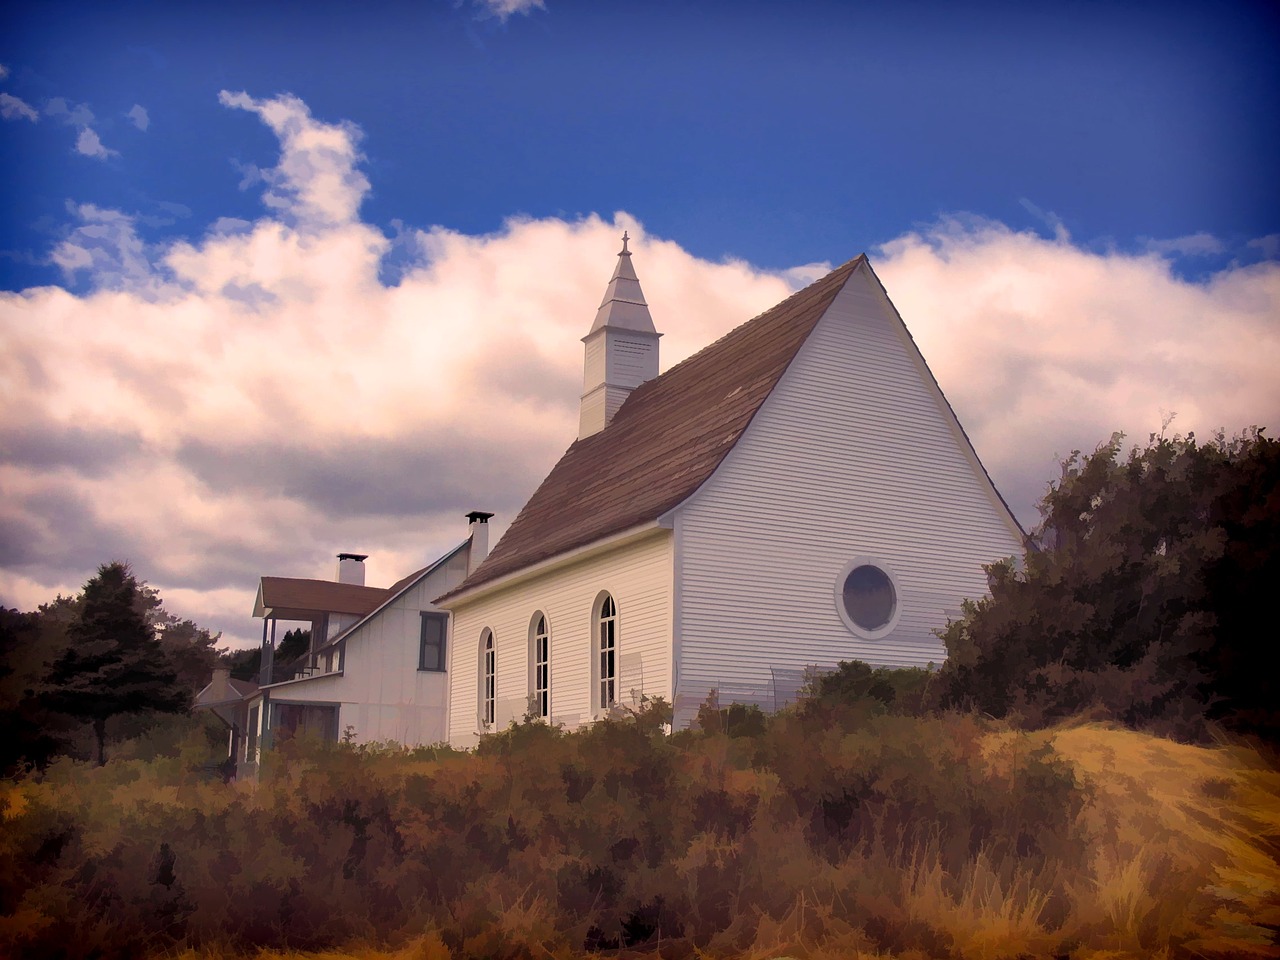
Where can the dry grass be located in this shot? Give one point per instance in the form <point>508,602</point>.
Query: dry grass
<point>985,915</point>
<point>1184,844</point>
<point>1172,853</point>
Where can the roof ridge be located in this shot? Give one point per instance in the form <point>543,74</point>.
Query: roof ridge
<point>666,439</point>
<point>808,288</point>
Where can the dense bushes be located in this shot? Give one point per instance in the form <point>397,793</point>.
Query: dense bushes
<point>1147,602</point>
<point>884,833</point>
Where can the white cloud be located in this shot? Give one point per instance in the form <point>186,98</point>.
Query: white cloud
<point>105,243</point>
<point>12,108</point>
<point>1043,347</point>
<point>1193,245</point>
<point>502,9</point>
<point>138,116</point>
<point>78,115</point>
<point>316,184</point>
<point>254,400</point>
<point>1268,246</point>
<point>89,144</point>
<point>4,72</point>
<point>1048,218</point>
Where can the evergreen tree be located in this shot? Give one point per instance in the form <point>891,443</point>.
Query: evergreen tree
<point>30,733</point>
<point>114,664</point>
<point>293,645</point>
<point>191,649</point>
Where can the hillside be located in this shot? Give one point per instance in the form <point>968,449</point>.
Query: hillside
<point>876,836</point>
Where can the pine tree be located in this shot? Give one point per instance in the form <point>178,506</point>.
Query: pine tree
<point>114,664</point>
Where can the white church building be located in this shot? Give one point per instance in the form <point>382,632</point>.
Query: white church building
<point>796,494</point>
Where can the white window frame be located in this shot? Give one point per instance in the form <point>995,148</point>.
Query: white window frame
<point>488,676</point>
<point>540,665</point>
<point>898,604</point>
<point>604,652</point>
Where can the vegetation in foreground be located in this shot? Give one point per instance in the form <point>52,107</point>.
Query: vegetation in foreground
<point>825,831</point>
<point>1144,598</point>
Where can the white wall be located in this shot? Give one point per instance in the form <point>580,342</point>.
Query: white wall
<point>382,693</point>
<point>853,455</point>
<point>638,575</point>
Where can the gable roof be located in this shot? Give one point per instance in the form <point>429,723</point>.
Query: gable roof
<point>395,591</point>
<point>218,693</point>
<point>666,439</point>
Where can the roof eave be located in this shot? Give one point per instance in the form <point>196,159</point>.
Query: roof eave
<point>467,595</point>
<point>296,680</point>
<point>426,572</point>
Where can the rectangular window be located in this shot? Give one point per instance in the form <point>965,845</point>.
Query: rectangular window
<point>490,683</point>
<point>431,644</point>
<point>542,675</point>
<point>607,664</point>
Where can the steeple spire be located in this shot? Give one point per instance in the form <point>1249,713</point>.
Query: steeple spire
<point>624,306</point>
<point>621,347</point>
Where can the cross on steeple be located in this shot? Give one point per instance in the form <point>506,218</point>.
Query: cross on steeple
<point>621,348</point>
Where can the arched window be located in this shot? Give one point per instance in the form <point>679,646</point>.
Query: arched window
<point>540,666</point>
<point>488,677</point>
<point>607,653</point>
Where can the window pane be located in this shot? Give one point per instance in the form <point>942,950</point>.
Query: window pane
<point>433,640</point>
<point>490,680</point>
<point>869,597</point>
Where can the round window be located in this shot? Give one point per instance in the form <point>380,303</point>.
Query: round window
<point>868,596</point>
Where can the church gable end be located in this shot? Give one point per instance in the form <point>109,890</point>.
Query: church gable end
<point>846,523</point>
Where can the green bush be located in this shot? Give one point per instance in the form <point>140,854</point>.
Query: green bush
<point>856,689</point>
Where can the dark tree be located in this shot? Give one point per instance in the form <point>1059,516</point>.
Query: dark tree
<point>246,664</point>
<point>1148,601</point>
<point>191,649</point>
<point>113,664</point>
<point>293,645</point>
<point>30,733</point>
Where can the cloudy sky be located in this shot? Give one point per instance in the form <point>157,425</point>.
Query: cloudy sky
<point>282,283</point>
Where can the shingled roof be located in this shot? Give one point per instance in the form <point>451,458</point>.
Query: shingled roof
<point>295,598</point>
<point>666,439</point>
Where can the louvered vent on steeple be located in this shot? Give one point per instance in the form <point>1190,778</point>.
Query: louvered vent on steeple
<point>621,348</point>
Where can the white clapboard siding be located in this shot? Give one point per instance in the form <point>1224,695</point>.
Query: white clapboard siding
<point>381,693</point>
<point>854,454</point>
<point>637,574</point>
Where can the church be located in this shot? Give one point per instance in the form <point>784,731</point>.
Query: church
<point>798,493</point>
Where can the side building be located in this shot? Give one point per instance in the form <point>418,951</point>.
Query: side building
<point>376,669</point>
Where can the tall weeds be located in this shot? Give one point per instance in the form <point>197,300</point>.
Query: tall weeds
<point>811,835</point>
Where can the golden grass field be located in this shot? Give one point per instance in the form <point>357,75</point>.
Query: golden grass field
<point>1181,861</point>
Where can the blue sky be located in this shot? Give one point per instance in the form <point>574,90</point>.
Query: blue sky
<point>774,132</point>
<point>248,246</point>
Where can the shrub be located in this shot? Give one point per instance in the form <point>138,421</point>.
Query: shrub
<point>944,835</point>
<point>1152,575</point>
